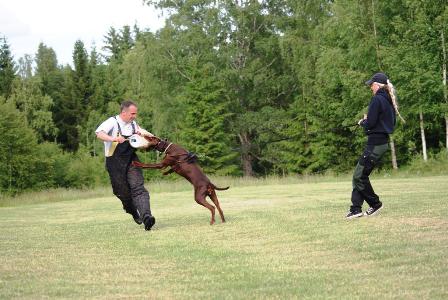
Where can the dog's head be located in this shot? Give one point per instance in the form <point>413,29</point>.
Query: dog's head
<point>152,141</point>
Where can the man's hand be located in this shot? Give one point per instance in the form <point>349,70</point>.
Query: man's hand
<point>119,139</point>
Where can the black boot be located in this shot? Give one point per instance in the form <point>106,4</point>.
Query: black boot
<point>137,218</point>
<point>149,221</point>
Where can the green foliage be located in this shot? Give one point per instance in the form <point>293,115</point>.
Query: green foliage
<point>85,171</point>
<point>21,164</point>
<point>7,68</point>
<point>37,107</point>
<point>437,164</point>
<point>205,124</point>
<point>27,165</point>
<point>254,87</point>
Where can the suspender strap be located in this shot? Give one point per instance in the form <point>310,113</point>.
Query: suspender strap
<point>133,128</point>
<point>119,128</point>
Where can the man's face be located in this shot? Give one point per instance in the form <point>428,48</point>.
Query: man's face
<point>129,114</point>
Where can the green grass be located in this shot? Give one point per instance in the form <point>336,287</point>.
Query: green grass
<point>282,240</point>
<point>176,185</point>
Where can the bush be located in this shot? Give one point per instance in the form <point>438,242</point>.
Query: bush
<point>437,164</point>
<point>85,171</point>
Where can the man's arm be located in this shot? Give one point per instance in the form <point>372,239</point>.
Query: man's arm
<point>107,138</point>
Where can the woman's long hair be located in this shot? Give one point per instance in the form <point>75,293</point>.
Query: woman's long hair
<point>391,90</point>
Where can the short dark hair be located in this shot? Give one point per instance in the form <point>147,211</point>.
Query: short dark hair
<point>126,104</point>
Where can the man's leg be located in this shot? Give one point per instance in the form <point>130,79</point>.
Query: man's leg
<point>121,190</point>
<point>140,196</point>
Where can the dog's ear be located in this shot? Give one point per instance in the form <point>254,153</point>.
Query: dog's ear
<point>148,138</point>
<point>152,138</point>
<point>152,141</point>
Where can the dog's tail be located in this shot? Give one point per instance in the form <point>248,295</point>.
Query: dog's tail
<point>219,188</point>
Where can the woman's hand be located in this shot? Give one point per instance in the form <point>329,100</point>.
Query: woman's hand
<point>362,120</point>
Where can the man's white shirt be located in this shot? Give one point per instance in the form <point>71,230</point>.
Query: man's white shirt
<point>110,127</point>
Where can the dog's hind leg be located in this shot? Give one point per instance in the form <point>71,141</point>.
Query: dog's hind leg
<point>215,200</point>
<point>199,196</point>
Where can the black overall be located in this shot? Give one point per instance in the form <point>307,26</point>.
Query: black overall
<point>127,181</point>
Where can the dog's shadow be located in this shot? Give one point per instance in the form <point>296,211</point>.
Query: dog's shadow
<point>199,221</point>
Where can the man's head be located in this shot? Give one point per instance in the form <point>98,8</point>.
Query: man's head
<point>128,111</point>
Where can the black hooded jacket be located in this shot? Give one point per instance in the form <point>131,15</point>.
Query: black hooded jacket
<point>381,118</point>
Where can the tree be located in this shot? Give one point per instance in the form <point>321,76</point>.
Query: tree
<point>36,107</point>
<point>205,122</point>
<point>81,79</point>
<point>47,70</point>
<point>126,40</point>
<point>7,69</point>
<point>119,43</point>
<point>70,108</point>
<point>25,67</point>
<point>441,22</point>
<point>414,49</point>
<point>112,44</point>
<point>21,165</point>
<point>51,82</point>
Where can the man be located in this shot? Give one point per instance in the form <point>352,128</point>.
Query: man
<point>127,181</point>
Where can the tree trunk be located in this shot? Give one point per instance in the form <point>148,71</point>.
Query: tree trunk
<point>422,132</point>
<point>10,168</point>
<point>446,130</point>
<point>445,92</point>
<point>246,157</point>
<point>375,34</point>
<point>393,154</point>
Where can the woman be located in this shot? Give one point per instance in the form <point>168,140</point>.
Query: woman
<point>378,124</point>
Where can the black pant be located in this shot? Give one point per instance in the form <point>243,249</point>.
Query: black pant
<point>128,185</point>
<point>362,189</point>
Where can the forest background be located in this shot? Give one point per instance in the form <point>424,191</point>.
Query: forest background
<point>255,88</point>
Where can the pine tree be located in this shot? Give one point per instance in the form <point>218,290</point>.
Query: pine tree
<point>21,165</point>
<point>81,78</point>
<point>7,69</point>
<point>51,81</point>
<point>112,45</point>
<point>205,123</point>
<point>70,109</point>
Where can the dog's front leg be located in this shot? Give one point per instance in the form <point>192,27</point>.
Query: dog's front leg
<point>168,172</point>
<point>148,166</point>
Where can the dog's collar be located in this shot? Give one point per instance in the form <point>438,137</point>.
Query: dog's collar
<point>167,147</point>
<point>162,146</point>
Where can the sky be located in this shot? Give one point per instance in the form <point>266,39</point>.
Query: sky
<point>59,23</point>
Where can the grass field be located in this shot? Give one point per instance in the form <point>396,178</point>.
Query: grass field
<point>282,240</point>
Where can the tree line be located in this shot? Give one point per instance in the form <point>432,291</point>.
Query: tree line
<point>254,87</point>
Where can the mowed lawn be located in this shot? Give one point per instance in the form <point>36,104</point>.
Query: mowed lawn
<point>280,241</point>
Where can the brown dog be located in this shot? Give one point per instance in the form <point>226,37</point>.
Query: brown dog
<point>184,163</point>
